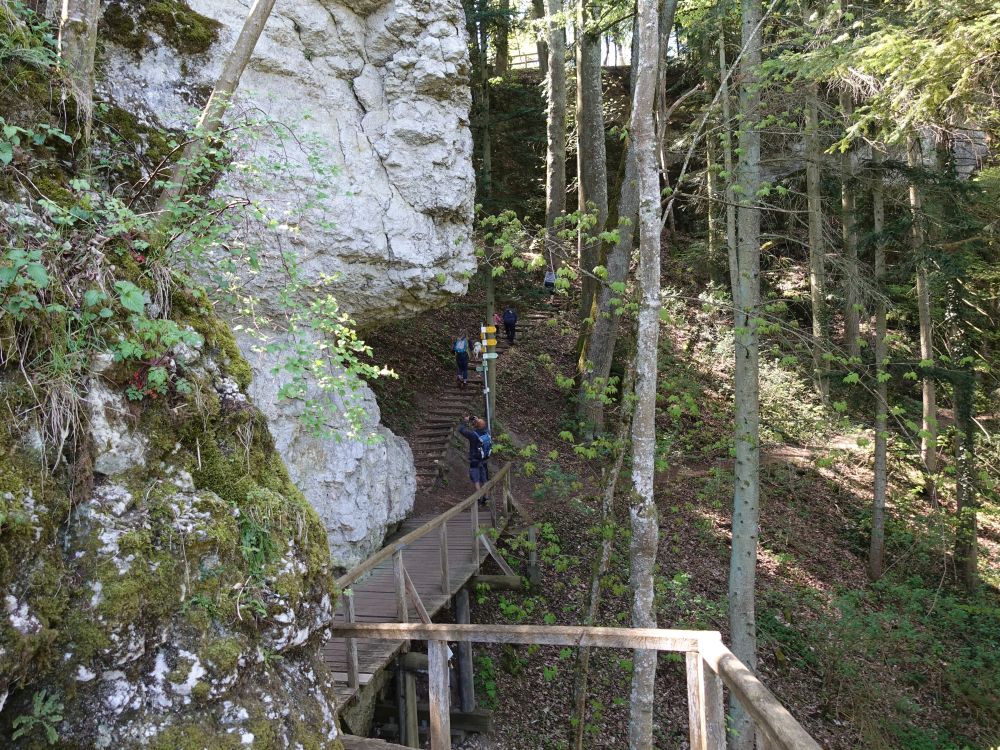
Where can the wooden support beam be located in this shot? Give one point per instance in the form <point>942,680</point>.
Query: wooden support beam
<point>412,727</point>
<point>466,677</point>
<point>715,709</point>
<point>697,717</point>
<point>474,512</point>
<point>415,598</point>
<point>479,721</point>
<point>351,645</point>
<point>498,583</point>
<point>495,554</point>
<point>543,635</point>
<point>445,572</point>
<point>534,575</point>
<point>413,661</point>
<point>440,709</point>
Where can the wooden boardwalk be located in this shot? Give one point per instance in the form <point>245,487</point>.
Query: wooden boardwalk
<point>413,569</point>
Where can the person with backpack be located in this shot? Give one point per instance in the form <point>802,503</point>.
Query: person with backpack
<point>474,430</point>
<point>509,323</point>
<point>460,346</point>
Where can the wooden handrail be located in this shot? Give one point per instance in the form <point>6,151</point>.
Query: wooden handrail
<point>386,552</point>
<point>708,663</point>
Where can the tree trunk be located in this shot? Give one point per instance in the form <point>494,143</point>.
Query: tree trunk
<point>502,41</point>
<point>876,550</point>
<point>491,373</point>
<point>555,153</point>
<point>591,156</point>
<point>849,221</point>
<point>486,165</point>
<point>77,45</point>
<point>746,299</point>
<point>218,102</point>
<point>928,432</point>
<point>541,47</point>
<point>645,530</point>
<point>727,157</point>
<point>601,569</point>
<point>817,247</point>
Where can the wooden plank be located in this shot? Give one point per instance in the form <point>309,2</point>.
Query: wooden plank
<point>543,635</point>
<point>399,574</point>
<point>474,529</point>
<point>351,647</point>
<point>715,709</point>
<point>479,721</point>
<point>415,598</point>
<point>440,710</point>
<point>466,678</point>
<point>412,726</point>
<point>443,543</point>
<point>697,727</point>
<point>784,731</point>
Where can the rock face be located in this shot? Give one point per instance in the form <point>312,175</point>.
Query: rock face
<point>175,597</point>
<point>377,89</point>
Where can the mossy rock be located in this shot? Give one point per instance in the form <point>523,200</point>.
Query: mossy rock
<point>127,23</point>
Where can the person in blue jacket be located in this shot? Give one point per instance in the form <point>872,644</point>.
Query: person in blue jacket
<point>460,346</point>
<point>474,430</point>
<point>510,323</point>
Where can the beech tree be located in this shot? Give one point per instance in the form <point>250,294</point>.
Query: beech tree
<point>643,515</point>
<point>746,302</point>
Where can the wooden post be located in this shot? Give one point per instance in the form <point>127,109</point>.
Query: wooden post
<point>400,704</point>
<point>474,512</point>
<point>533,575</point>
<point>506,494</point>
<point>466,684</point>
<point>400,578</point>
<point>412,732</point>
<point>440,711</point>
<point>715,708</point>
<point>697,717</point>
<point>445,573</point>
<point>351,645</point>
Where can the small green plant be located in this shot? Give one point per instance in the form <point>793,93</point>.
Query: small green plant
<point>46,713</point>
<point>486,681</point>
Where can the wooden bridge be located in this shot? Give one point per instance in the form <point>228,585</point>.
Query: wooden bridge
<point>414,577</point>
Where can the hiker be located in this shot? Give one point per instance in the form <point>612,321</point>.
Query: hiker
<point>509,323</point>
<point>460,346</point>
<point>474,430</point>
<point>497,321</point>
<point>550,281</point>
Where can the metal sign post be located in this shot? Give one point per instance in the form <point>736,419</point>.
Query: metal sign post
<point>488,355</point>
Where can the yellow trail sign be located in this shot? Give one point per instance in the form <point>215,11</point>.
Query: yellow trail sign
<point>491,342</point>
<point>489,329</point>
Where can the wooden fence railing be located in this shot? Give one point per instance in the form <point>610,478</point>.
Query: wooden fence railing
<point>710,665</point>
<point>405,590</point>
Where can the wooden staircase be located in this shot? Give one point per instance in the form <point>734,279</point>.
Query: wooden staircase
<point>430,440</point>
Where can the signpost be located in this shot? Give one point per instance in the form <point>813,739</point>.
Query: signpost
<point>488,354</point>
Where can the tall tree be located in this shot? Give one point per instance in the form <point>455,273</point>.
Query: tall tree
<point>218,102</point>
<point>592,166</point>
<point>918,239</point>
<point>77,45</point>
<point>849,226</point>
<point>538,13</point>
<point>555,152</point>
<point>502,39</point>
<point>643,516</point>
<point>600,345</point>
<point>727,152</point>
<point>817,247</point>
<point>876,550</point>
<point>746,302</point>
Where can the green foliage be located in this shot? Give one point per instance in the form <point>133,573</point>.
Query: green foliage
<point>45,716</point>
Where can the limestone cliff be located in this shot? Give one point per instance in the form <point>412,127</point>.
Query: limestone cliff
<point>382,86</point>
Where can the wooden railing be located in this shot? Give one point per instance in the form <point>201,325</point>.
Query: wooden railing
<point>710,665</point>
<point>405,590</point>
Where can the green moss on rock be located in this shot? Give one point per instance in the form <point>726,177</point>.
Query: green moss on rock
<point>128,24</point>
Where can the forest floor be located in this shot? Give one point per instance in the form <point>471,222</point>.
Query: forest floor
<point>899,664</point>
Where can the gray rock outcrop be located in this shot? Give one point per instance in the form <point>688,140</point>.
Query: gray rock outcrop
<point>376,90</point>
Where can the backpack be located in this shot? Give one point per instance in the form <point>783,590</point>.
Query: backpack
<point>461,345</point>
<point>485,445</point>
<point>509,316</point>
